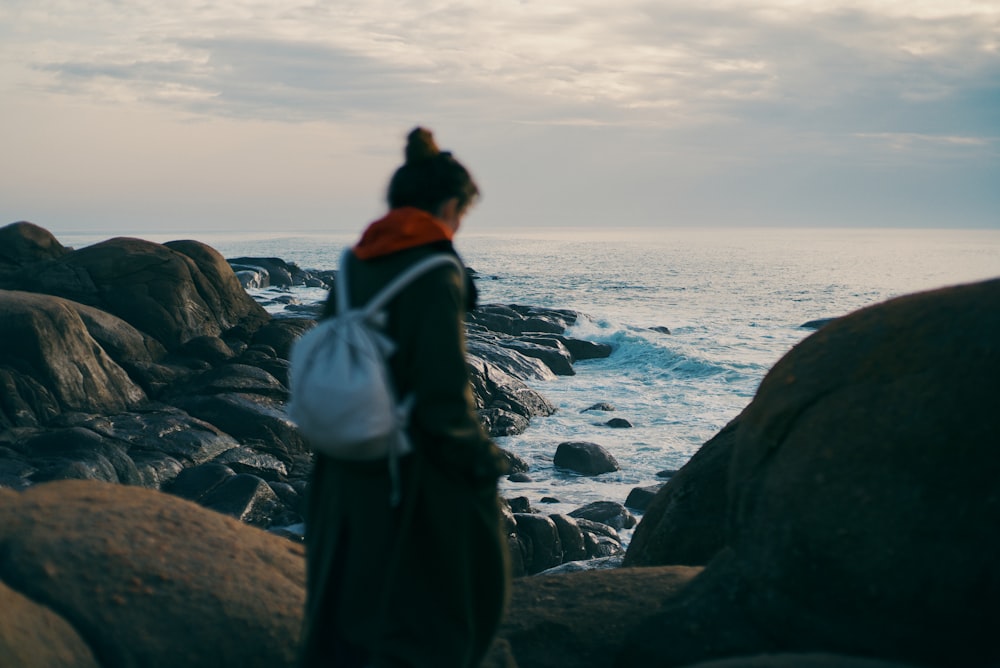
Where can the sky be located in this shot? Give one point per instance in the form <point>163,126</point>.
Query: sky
<point>139,116</point>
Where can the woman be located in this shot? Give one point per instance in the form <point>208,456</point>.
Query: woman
<point>421,584</point>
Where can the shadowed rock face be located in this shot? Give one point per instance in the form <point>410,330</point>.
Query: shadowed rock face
<point>23,243</point>
<point>863,501</point>
<point>142,579</point>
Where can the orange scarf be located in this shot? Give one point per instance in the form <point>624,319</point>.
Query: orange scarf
<point>402,228</point>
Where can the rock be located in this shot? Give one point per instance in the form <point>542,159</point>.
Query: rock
<point>618,423</point>
<point>600,406</point>
<point>279,272</point>
<point>148,579</point>
<point>249,417</point>
<point>584,458</point>
<point>158,430</point>
<point>245,497</point>
<point>519,504</point>
<point>78,453</point>
<point>685,522</point>
<point>513,320</point>
<point>519,477</point>
<point>196,482</point>
<point>541,538</point>
<point>251,278</point>
<point>512,362</point>
<point>35,635</point>
<point>844,536</point>
<point>557,359</point>
<point>494,388</point>
<point>816,324</point>
<point>60,366</point>
<point>587,350</point>
<point>172,292</point>
<point>248,460</point>
<point>570,537</point>
<point>25,243</point>
<point>660,329</point>
<point>233,378</point>
<point>498,422</point>
<point>613,514</point>
<point>640,497</point>
<point>579,620</point>
<point>211,349</point>
<point>514,463</point>
<point>666,473</point>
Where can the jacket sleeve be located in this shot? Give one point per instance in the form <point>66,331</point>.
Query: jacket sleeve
<point>431,366</point>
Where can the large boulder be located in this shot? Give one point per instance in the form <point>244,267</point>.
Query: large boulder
<point>25,243</point>
<point>49,363</point>
<point>144,579</point>
<point>173,294</point>
<point>863,502</point>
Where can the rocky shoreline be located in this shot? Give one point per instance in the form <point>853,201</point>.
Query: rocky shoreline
<point>845,519</point>
<point>149,365</point>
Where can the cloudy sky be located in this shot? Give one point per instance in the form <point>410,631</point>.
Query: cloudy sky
<point>142,115</point>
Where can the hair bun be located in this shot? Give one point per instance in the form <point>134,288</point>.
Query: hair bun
<point>420,145</point>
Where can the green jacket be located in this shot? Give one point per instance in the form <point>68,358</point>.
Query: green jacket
<point>423,584</point>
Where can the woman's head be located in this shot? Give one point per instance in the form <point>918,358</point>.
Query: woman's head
<point>430,177</point>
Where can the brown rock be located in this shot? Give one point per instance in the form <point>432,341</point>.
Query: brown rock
<point>147,579</point>
<point>34,635</point>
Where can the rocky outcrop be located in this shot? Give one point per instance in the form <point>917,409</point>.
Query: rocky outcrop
<point>173,294</point>
<point>107,575</point>
<point>862,498</point>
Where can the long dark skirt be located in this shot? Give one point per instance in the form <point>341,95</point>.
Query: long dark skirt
<point>421,585</point>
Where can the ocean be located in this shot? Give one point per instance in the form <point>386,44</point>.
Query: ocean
<point>734,301</point>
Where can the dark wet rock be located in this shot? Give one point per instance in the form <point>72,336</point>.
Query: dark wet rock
<point>540,538</point>
<point>584,458</point>
<point>154,581</point>
<point>601,547</point>
<point>516,320</point>
<point>639,498</point>
<point>197,481</point>
<point>519,477</point>
<point>557,359</point>
<point>251,277</point>
<point>81,454</point>
<point>515,464</point>
<point>549,499</point>
<point>570,537</point>
<point>245,497</point>
<point>507,360</point>
<point>843,535</point>
<point>494,388</point>
<point>660,329</point>
<point>600,406</point>
<point>666,473</point>
<point>248,460</point>
<point>211,349</point>
<point>587,350</point>
<point>816,324</point>
<point>238,378</point>
<point>685,522</point>
<point>618,423</point>
<point>498,422</point>
<point>519,504</point>
<point>248,417</point>
<point>158,429</point>
<point>613,514</point>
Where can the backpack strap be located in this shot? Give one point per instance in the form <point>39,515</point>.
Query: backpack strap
<point>385,295</point>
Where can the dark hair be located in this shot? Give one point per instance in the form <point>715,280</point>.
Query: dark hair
<point>430,177</point>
